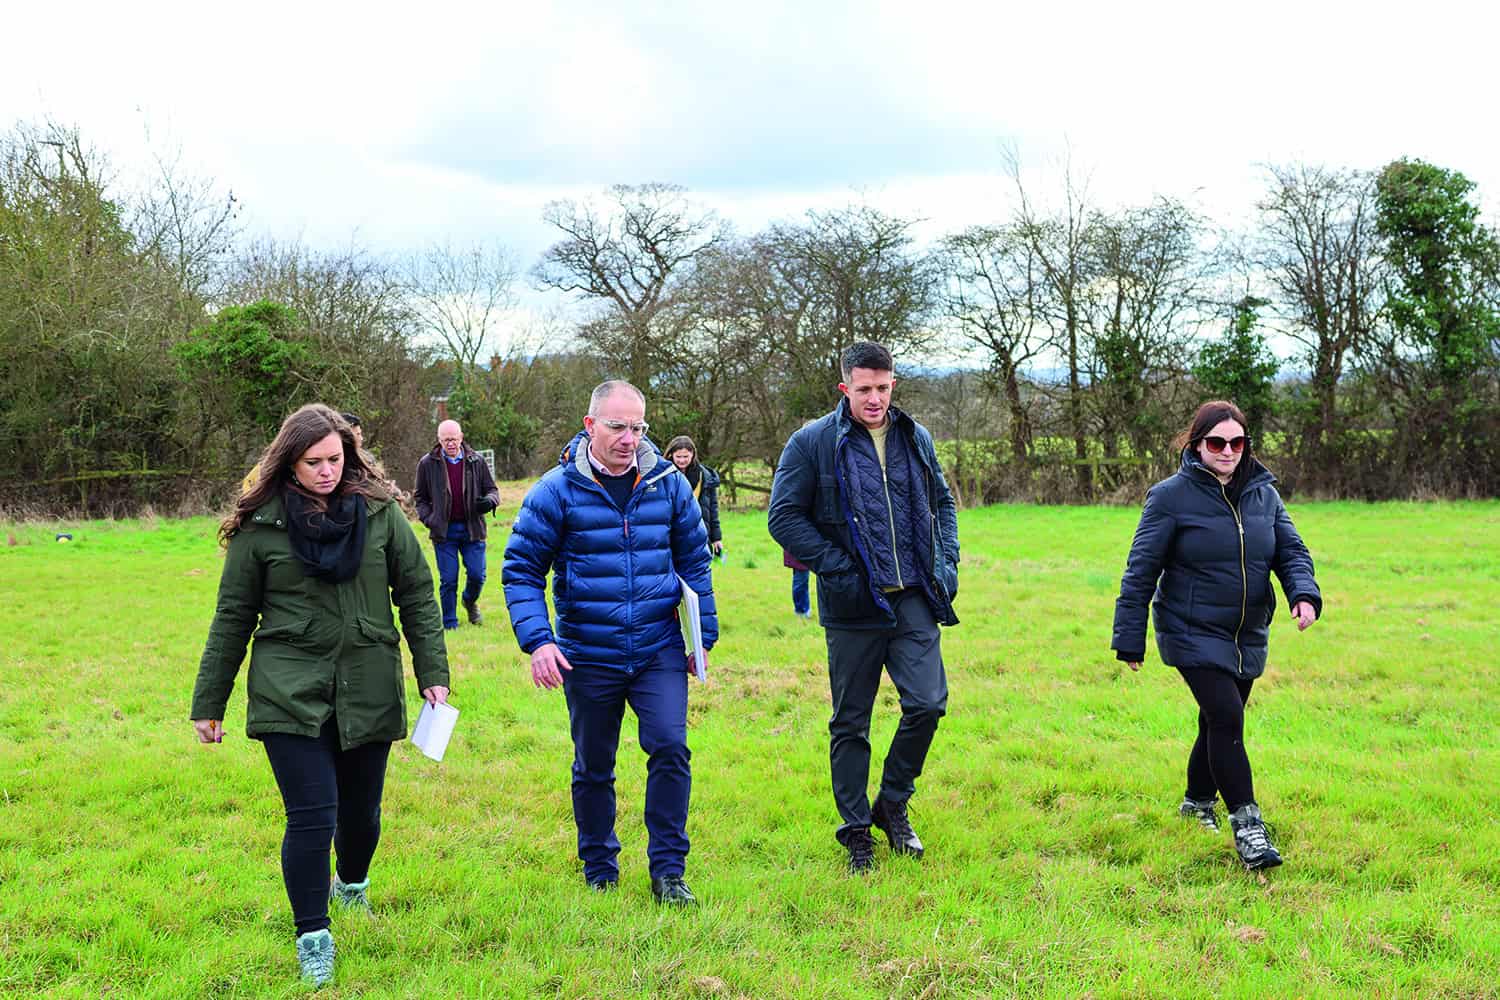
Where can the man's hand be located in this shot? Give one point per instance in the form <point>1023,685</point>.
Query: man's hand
<point>546,663</point>
<point>1133,664</point>
<point>209,730</point>
<point>1303,612</point>
<point>691,661</point>
<point>436,695</point>
<point>717,548</point>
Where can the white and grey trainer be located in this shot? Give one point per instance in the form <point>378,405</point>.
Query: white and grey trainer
<point>1252,838</point>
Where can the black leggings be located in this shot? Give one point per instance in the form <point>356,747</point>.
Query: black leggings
<point>332,796</point>
<point>1218,763</point>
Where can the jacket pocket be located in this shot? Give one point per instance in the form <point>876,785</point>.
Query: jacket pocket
<point>826,510</point>
<point>846,596</point>
<point>293,631</point>
<point>373,632</point>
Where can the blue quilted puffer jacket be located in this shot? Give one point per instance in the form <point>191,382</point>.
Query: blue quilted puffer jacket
<point>614,572</point>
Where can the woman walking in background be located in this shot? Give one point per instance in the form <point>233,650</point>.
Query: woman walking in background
<point>317,553</point>
<point>1208,540</point>
<point>682,453</point>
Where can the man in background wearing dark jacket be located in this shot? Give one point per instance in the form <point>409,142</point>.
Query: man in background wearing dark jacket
<point>454,492</point>
<point>616,525</point>
<point>859,498</point>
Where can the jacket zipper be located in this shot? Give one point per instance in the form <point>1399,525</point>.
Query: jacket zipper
<point>1244,582</point>
<point>890,511</point>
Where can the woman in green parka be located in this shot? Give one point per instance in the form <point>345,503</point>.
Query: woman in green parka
<point>317,554</point>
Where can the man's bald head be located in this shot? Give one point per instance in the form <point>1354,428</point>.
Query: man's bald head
<point>451,437</point>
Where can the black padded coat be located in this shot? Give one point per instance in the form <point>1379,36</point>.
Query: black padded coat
<point>1207,562</point>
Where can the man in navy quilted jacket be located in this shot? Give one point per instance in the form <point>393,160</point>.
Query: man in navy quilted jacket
<point>859,498</point>
<point>616,526</point>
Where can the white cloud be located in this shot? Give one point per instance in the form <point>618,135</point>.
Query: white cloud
<point>418,123</point>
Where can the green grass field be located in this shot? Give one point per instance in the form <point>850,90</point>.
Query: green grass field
<point>134,862</point>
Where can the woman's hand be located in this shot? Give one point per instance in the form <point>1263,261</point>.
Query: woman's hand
<point>436,695</point>
<point>1305,615</point>
<point>1133,664</point>
<point>209,730</point>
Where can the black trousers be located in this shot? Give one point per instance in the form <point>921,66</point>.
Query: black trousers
<point>912,654</point>
<point>332,797</point>
<point>1218,763</point>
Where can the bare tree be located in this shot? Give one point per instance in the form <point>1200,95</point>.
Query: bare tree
<point>993,296</point>
<point>462,296</point>
<point>1318,250</point>
<point>628,252</point>
<point>1060,243</point>
<point>187,227</point>
<point>1140,312</point>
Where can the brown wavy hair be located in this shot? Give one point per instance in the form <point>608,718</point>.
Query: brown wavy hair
<point>299,432</point>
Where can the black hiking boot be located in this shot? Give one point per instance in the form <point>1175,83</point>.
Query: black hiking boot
<point>861,849</point>
<point>891,817</point>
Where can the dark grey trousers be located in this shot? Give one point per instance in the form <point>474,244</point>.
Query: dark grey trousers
<point>912,654</point>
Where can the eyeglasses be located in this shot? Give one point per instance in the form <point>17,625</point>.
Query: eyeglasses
<point>1235,444</point>
<point>620,426</point>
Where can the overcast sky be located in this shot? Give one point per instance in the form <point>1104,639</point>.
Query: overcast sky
<point>405,124</point>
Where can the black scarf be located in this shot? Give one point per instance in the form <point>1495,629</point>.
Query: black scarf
<point>328,544</point>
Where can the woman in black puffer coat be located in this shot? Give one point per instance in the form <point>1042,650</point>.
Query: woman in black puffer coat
<point>705,482</point>
<point>1209,539</point>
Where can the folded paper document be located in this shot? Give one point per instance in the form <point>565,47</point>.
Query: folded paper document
<point>434,728</point>
<point>692,628</point>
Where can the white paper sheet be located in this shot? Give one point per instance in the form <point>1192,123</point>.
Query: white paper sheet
<point>692,628</point>
<point>434,728</point>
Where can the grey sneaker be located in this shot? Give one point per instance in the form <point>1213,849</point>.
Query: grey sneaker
<point>350,895</point>
<point>315,955</point>
<point>1201,811</point>
<point>1252,838</point>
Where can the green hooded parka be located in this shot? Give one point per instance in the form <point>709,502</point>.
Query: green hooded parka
<point>319,648</point>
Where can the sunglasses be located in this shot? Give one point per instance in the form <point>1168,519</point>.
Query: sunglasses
<point>1234,444</point>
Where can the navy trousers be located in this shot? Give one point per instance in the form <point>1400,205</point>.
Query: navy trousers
<point>657,693</point>
<point>801,599</point>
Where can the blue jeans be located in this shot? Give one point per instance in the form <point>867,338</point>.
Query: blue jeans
<point>657,692</point>
<point>448,552</point>
<point>801,603</point>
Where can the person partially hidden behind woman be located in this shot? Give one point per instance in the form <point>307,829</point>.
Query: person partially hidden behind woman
<point>317,553</point>
<point>682,453</point>
<point>1209,538</point>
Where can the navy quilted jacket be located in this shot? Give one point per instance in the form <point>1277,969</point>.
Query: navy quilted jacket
<point>1207,563</point>
<point>827,516</point>
<point>614,572</point>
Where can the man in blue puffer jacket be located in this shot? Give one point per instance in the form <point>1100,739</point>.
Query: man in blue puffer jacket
<point>616,526</point>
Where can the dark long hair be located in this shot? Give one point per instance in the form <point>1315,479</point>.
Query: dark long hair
<point>299,432</point>
<point>1207,417</point>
